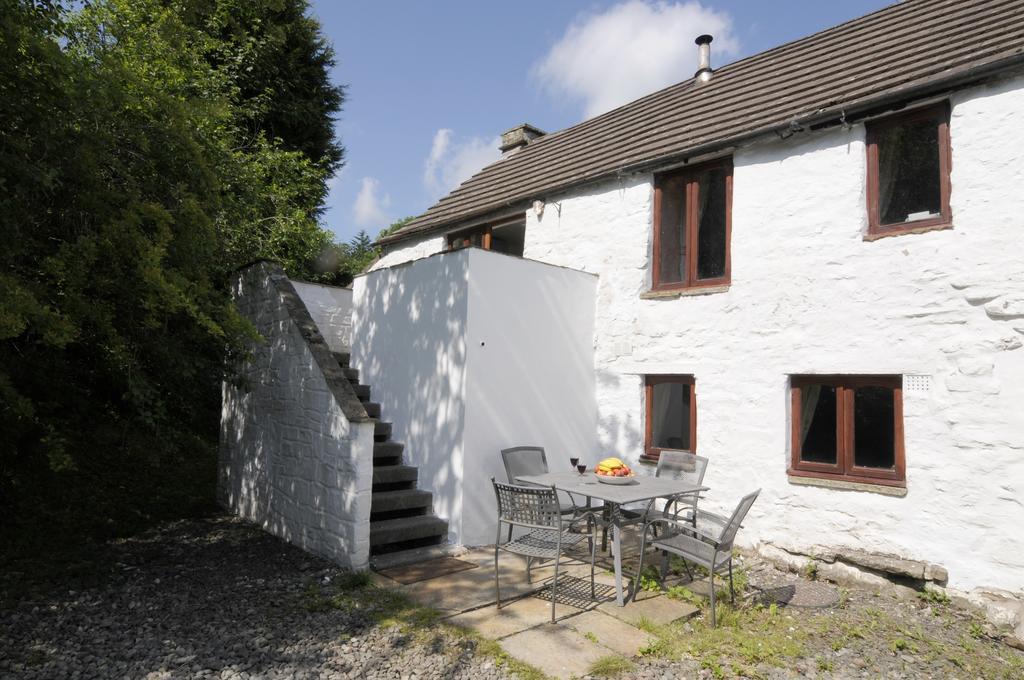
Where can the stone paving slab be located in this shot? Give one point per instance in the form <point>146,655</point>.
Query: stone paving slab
<point>556,649</point>
<point>513,617</point>
<point>657,609</point>
<point>610,632</point>
<point>465,590</point>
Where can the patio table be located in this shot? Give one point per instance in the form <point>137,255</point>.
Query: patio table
<point>614,496</point>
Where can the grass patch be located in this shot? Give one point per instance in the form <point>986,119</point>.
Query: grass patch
<point>593,638</point>
<point>745,637</point>
<point>610,666</point>
<point>934,596</point>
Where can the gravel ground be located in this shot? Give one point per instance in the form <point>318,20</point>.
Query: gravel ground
<point>218,598</point>
<point>213,598</point>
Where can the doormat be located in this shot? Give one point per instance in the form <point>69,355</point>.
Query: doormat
<point>424,571</point>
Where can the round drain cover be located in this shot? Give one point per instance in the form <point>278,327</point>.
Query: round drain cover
<point>807,594</point>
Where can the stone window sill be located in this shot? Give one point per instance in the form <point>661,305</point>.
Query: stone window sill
<point>908,230</point>
<point>674,293</point>
<point>847,485</point>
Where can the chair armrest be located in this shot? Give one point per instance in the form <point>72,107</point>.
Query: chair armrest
<point>586,515</point>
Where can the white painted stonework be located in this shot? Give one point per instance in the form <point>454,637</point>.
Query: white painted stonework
<point>331,309</point>
<point>471,352</point>
<point>290,460</point>
<point>810,295</point>
<point>409,251</point>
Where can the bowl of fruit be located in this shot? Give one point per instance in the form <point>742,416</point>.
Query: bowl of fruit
<point>614,471</point>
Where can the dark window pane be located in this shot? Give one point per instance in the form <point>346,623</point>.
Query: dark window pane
<point>909,178</point>
<point>509,239</point>
<point>670,416</point>
<point>818,424</point>
<point>671,236</point>
<point>873,423</point>
<point>711,236</point>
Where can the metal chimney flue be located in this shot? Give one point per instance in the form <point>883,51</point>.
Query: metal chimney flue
<point>704,71</point>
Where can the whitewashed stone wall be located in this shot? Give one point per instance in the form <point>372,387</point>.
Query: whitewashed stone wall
<point>410,250</point>
<point>810,295</point>
<point>291,459</point>
<point>331,309</point>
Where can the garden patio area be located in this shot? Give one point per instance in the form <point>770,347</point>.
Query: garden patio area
<point>219,598</point>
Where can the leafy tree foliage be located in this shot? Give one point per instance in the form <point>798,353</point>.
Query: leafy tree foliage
<point>345,261</point>
<point>138,168</point>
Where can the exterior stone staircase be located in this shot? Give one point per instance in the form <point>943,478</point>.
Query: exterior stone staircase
<point>402,525</point>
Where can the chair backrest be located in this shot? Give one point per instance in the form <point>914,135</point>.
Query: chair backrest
<point>682,465</point>
<point>729,532</point>
<point>533,506</point>
<point>524,460</point>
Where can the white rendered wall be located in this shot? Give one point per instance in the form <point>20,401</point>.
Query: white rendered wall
<point>810,295</point>
<point>289,459</point>
<point>409,344</point>
<point>331,309</point>
<point>471,352</point>
<point>529,373</point>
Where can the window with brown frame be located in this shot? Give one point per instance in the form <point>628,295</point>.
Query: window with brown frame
<point>848,427</point>
<point>504,237</point>
<point>692,224</point>
<point>671,419</point>
<point>909,160</point>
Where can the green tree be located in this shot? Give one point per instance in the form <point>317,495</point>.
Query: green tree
<point>130,188</point>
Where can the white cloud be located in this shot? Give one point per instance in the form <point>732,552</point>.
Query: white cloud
<point>632,49</point>
<point>452,162</point>
<point>371,206</point>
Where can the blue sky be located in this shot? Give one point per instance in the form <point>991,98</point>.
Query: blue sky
<point>431,85</point>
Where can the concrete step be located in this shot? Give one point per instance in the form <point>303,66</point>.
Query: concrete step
<point>363,392</point>
<point>394,474</point>
<point>352,374</point>
<point>372,409</point>
<point>407,530</point>
<point>381,431</point>
<point>402,499</point>
<point>342,357</point>
<point>414,555</point>
<point>386,452</point>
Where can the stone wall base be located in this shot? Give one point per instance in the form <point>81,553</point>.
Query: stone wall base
<point>903,579</point>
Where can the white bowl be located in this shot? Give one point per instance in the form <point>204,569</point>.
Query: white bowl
<point>607,479</point>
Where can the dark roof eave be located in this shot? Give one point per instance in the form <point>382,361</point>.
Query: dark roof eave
<point>820,117</point>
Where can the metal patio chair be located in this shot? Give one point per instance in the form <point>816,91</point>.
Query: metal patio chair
<point>686,467</point>
<point>529,460</point>
<point>705,544</point>
<point>545,536</point>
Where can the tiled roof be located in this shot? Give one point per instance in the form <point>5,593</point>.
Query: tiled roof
<point>907,50</point>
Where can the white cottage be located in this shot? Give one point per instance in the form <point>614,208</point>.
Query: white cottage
<point>805,266</point>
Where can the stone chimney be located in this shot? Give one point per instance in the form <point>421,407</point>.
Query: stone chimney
<point>515,139</point>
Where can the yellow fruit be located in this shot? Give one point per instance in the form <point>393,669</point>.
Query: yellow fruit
<point>611,463</point>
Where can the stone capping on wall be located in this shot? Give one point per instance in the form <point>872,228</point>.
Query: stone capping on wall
<point>339,385</point>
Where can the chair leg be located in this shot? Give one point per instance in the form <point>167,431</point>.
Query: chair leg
<point>664,565</point>
<point>714,623</point>
<point>639,567</point>
<point>554,590</point>
<point>510,532</point>
<point>529,564</point>
<point>732,593</point>
<point>689,574</point>
<point>593,555</point>
<point>497,588</point>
